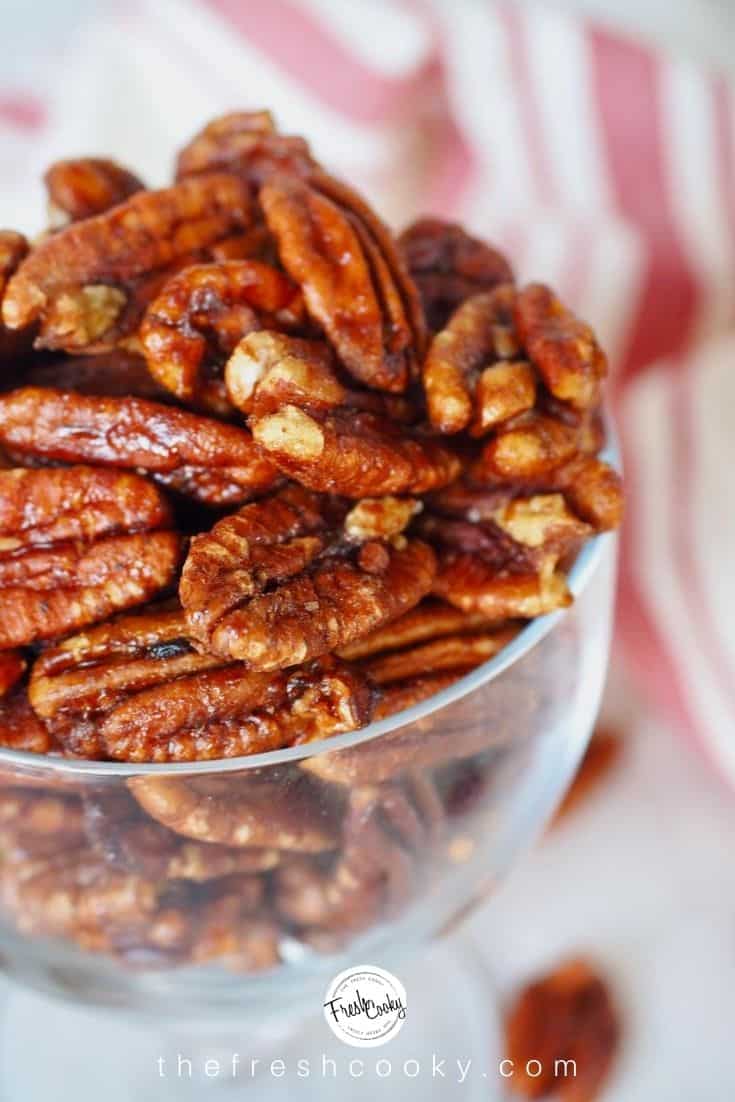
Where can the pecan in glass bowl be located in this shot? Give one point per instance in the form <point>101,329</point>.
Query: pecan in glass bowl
<point>305,601</point>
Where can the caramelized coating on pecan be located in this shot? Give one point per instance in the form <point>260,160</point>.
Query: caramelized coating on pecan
<point>246,144</point>
<point>194,324</point>
<point>563,349</point>
<point>230,712</point>
<point>288,811</point>
<point>568,1015</point>
<point>593,489</point>
<point>473,374</point>
<point>86,186</point>
<point>449,266</point>
<point>130,841</point>
<point>470,583</point>
<point>528,449</point>
<point>116,374</point>
<point>21,728</point>
<point>12,668</point>
<point>189,452</point>
<point>319,432</point>
<point>428,621</point>
<point>77,283</point>
<point>347,286</point>
<point>279,582</point>
<point>77,545</point>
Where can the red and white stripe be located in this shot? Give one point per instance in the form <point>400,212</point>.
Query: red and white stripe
<point>600,164</point>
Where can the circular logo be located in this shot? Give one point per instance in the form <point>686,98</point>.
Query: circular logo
<point>365,1006</point>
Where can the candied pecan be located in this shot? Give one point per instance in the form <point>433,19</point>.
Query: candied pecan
<point>230,712</point>
<point>275,584</point>
<point>469,583</point>
<point>77,545</point>
<point>347,285</point>
<point>12,668</point>
<point>271,809</point>
<point>563,349</point>
<point>449,266</point>
<point>568,1015</point>
<point>190,453</point>
<point>601,756</point>
<point>244,143</point>
<point>373,874</point>
<point>13,249</point>
<point>453,652</point>
<point>191,328</point>
<point>593,489</point>
<point>473,374</point>
<point>129,840</point>
<point>21,728</point>
<point>430,620</point>
<point>86,186</point>
<point>38,824</point>
<point>229,935</point>
<point>317,431</point>
<point>118,374</point>
<point>527,449</point>
<point>78,282</point>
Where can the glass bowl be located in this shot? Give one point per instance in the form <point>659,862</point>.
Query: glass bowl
<point>242,886</point>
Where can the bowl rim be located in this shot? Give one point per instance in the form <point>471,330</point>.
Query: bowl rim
<point>585,566</point>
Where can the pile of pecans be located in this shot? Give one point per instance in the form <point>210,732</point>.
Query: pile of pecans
<point>267,473</point>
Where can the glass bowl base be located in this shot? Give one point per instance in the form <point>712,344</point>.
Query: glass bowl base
<point>448,1045</point>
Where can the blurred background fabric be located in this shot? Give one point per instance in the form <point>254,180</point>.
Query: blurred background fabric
<point>602,163</point>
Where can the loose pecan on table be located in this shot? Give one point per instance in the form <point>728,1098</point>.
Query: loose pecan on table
<point>76,545</point>
<point>86,186</point>
<point>568,1015</point>
<point>325,435</point>
<point>85,285</point>
<point>197,456</point>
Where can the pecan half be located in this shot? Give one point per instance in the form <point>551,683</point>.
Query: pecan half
<point>86,186</point>
<point>287,811</point>
<point>449,266</point>
<point>12,668</point>
<point>473,374</point>
<point>319,432</point>
<point>347,285</point>
<point>77,283</point>
<point>563,349</point>
<point>129,840</point>
<point>190,453</point>
<point>192,327</point>
<point>135,689</point>
<point>75,546</point>
<point>245,143</point>
<point>568,1015</point>
<point>278,582</point>
<point>21,728</point>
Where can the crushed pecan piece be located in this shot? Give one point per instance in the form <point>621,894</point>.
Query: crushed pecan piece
<point>192,327</point>
<point>78,283</point>
<point>278,582</point>
<point>77,545</point>
<point>184,450</point>
<point>284,812</point>
<point>86,186</point>
<point>474,375</point>
<point>321,433</point>
<point>568,1015</point>
<point>449,266</point>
